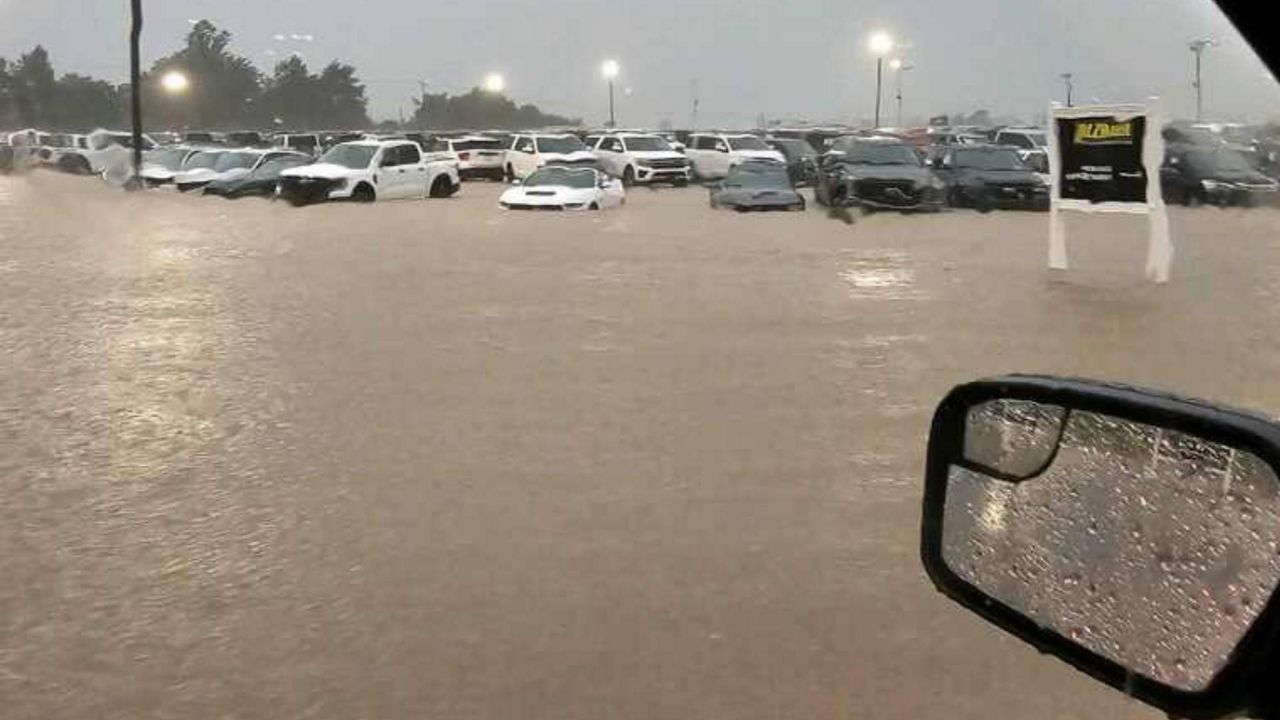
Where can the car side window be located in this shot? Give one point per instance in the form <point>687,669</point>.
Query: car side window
<point>612,144</point>
<point>701,142</point>
<point>1014,140</point>
<point>721,146</point>
<point>524,144</point>
<point>410,155</point>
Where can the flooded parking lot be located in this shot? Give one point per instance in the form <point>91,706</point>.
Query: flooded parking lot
<point>432,459</point>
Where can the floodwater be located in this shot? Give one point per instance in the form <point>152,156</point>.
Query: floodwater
<point>428,459</point>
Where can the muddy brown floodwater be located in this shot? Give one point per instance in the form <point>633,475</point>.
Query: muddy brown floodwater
<point>434,460</point>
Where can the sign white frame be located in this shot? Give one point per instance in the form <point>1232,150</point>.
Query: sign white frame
<point>1159,246</point>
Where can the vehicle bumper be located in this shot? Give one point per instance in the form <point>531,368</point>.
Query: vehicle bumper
<point>921,200</point>
<point>1015,198</point>
<point>305,190</point>
<point>1242,196</point>
<point>480,172</point>
<point>662,175</point>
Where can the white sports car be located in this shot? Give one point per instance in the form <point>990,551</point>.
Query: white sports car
<point>564,188</point>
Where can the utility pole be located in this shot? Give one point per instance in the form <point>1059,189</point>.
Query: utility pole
<point>1197,48</point>
<point>899,67</point>
<point>695,105</point>
<point>879,72</point>
<point>1066,78</point>
<point>135,87</point>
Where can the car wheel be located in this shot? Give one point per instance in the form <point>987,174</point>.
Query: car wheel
<point>593,206</point>
<point>509,174</point>
<point>363,193</point>
<point>681,182</point>
<point>1192,198</point>
<point>628,177</point>
<point>441,187</point>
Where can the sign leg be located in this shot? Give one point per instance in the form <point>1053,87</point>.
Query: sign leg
<point>1057,240</point>
<point>1159,247</point>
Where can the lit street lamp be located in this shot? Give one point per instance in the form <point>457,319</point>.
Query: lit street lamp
<point>1197,48</point>
<point>174,82</point>
<point>880,44</point>
<point>899,67</point>
<point>610,71</point>
<point>494,83</point>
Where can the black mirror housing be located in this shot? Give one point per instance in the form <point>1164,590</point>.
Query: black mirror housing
<point>1236,683</point>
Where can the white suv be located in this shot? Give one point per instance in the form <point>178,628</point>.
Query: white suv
<point>712,154</point>
<point>368,170</point>
<point>478,156</point>
<point>530,151</point>
<point>641,158</point>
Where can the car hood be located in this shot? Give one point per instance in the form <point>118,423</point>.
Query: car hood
<point>196,175</point>
<point>1003,177</point>
<point>576,156</point>
<point>887,172</point>
<point>233,174</point>
<point>157,172</point>
<point>547,195</point>
<point>658,155</point>
<point>328,171</point>
<point>760,155</point>
<point>1238,176</point>
<point>756,197</point>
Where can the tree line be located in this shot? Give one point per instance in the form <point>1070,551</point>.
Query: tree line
<point>226,91</point>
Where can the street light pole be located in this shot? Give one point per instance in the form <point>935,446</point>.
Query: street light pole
<point>879,71</point>
<point>612,122</point>
<point>1197,48</point>
<point>135,91</point>
<point>899,67</point>
<point>1066,78</point>
<point>610,71</point>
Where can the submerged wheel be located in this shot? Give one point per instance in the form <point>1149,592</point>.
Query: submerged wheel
<point>363,193</point>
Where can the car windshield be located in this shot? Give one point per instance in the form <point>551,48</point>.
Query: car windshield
<point>168,159</point>
<point>755,176</point>
<point>748,142</point>
<point>565,144</point>
<point>989,160</point>
<point>1219,159</point>
<point>351,156</point>
<point>235,161</point>
<point>879,153</point>
<point>562,177</point>
<point>431,439</point>
<point>203,160</point>
<point>647,143</point>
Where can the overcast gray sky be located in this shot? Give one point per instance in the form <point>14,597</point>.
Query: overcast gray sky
<point>799,59</point>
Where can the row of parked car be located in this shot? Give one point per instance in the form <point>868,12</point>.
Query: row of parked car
<point>906,171</point>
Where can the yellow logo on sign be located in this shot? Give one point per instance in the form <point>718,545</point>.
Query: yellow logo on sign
<point>1093,133</point>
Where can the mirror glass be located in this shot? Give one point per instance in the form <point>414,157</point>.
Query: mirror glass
<point>1148,546</point>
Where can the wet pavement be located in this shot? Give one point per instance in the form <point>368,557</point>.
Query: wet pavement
<point>431,459</point>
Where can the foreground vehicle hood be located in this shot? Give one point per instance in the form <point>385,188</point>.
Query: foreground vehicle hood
<point>328,171</point>
<point>757,197</point>
<point>199,175</point>
<point>548,195</point>
<point>1004,177</point>
<point>580,157</point>
<point>773,155</point>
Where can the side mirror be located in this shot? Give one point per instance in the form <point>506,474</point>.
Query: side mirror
<point>516,181</point>
<point>1130,533</point>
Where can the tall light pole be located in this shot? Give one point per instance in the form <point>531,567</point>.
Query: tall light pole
<point>135,92</point>
<point>899,67</point>
<point>1197,48</point>
<point>610,71</point>
<point>880,44</point>
<point>1066,78</point>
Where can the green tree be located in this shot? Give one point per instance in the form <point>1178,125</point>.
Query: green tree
<point>7,115</point>
<point>342,98</point>
<point>291,95</point>
<point>33,88</point>
<point>224,88</point>
<point>480,109</point>
<point>85,103</point>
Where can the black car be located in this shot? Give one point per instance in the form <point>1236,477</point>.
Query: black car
<point>987,177</point>
<point>802,159</point>
<point>877,173</point>
<point>1194,174</point>
<point>756,186</point>
<point>261,181</point>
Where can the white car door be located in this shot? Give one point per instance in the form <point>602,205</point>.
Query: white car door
<point>393,181</point>
<point>414,165</point>
<point>718,160</point>
<point>612,193</point>
<point>696,152</point>
<point>610,155</point>
<point>524,159</point>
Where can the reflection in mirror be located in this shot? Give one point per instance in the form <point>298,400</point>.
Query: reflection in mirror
<point>1148,546</point>
<point>1016,438</point>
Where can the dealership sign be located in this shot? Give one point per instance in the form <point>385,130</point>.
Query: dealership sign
<point>1106,158</point>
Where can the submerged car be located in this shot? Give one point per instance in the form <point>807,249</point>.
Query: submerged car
<point>802,159</point>
<point>987,177</point>
<point>368,170</point>
<point>713,154</point>
<point>877,173</point>
<point>197,170</point>
<point>530,151</point>
<point>559,187</point>
<point>261,180</point>
<point>758,185</point>
<point>1218,175</point>
<point>160,166</point>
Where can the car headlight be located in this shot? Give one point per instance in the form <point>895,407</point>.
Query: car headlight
<point>1214,185</point>
<point>643,163</point>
